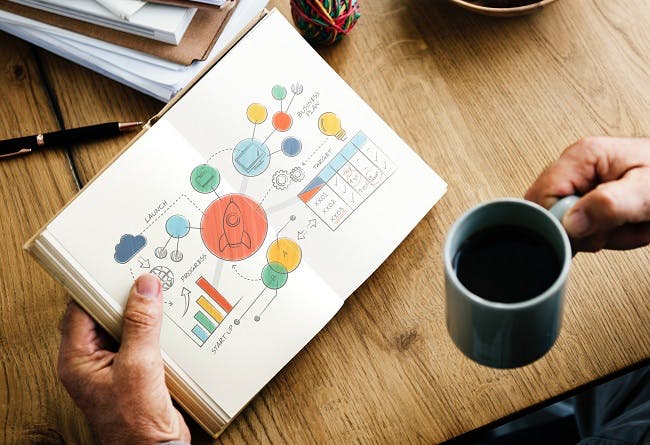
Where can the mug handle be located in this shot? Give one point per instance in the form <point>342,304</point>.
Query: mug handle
<point>563,205</point>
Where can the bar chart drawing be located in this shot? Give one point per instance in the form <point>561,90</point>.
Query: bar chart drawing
<point>347,180</point>
<point>212,309</point>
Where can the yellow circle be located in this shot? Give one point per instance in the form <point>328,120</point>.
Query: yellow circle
<point>256,113</point>
<point>286,252</point>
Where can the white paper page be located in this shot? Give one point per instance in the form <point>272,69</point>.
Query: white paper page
<point>151,75</point>
<point>120,226</point>
<point>355,196</point>
<point>122,8</point>
<point>160,22</point>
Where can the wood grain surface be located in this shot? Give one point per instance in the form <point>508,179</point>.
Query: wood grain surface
<point>487,103</point>
<point>34,407</point>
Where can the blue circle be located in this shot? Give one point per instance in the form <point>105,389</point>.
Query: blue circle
<point>177,226</point>
<point>291,146</point>
<point>251,157</point>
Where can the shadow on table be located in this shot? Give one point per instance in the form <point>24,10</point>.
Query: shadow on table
<point>619,405</point>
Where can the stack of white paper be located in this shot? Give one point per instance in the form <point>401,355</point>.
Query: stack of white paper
<point>159,22</point>
<point>146,73</point>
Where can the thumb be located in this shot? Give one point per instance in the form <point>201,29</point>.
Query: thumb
<point>143,319</point>
<point>610,205</point>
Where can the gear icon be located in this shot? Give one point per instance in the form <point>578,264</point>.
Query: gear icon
<point>281,180</point>
<point>297,174</point>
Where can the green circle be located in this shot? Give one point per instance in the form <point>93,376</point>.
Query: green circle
<point>279,92</point>
<point>205,179</point>
<point>274,275</point>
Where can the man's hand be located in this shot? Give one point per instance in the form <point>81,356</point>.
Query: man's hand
<point>613,177</point>
<point>123,393</point>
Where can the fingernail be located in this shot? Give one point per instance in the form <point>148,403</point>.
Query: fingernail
<point>577,223</point>
<point>149,286</point>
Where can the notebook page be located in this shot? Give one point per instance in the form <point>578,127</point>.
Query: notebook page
<point>230,323</point>
<point>355,188</point>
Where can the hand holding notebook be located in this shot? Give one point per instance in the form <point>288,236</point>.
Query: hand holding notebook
<point>124,404</point>
<point>261,207</point>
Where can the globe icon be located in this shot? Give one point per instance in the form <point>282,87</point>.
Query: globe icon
<point>165,275</point>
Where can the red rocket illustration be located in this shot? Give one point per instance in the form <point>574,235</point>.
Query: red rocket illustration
<point>233,228</point>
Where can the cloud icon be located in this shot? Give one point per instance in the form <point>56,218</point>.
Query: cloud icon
<point>128,247</point>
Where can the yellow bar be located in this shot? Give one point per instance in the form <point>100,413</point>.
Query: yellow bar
<point>206,306</point>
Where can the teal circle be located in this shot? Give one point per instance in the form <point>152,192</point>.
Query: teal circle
<point>205,178</point>
<point>274,275</point>
<point>251,157</point>
<point>279,92</point>
<point>177,226</point>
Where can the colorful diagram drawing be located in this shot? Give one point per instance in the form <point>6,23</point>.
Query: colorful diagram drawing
<point>233,227</point>
<point>128,247</point>
<point>205,178</point>
<point>165,275</point>
<point>210,313</point>
<point>251,157</point>
<point>291,146</point>
<point>347,180</point>
<point>283,257</point>
<point>177,227</point>
<point>285,252</point>
<point>330,125</point>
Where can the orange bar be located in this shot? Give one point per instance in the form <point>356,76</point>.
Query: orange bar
<point>212,312</point>
<point>214,294</point>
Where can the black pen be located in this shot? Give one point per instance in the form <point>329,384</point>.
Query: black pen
<point>27,144</point>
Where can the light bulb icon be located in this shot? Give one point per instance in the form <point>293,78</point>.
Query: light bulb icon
<point>330,125</point>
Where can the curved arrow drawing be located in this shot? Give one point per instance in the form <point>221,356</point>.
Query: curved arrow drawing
<point>186,294</point>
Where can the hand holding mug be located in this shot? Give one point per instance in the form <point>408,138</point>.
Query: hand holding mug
<point>612,176</point>
<point>504,301</point>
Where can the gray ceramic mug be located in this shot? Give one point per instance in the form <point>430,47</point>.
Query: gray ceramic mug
<point>507,335</point>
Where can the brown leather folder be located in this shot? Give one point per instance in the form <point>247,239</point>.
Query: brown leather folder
<point>200,37</point>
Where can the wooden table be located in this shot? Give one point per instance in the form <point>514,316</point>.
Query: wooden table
<point>487,103</point>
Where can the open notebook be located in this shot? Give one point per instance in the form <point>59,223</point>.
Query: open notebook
<point>261,206</point>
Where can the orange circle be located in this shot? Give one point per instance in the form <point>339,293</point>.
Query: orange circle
<point>281,121</point>
<point>233,227</point>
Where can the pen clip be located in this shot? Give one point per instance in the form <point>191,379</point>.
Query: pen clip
<point>22,151</point>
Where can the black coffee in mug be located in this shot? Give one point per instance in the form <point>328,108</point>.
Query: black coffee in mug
<point>507,264</point>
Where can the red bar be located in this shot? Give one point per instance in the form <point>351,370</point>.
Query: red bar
<point>214,294</point>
